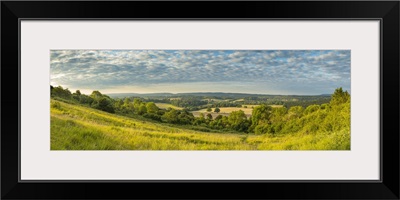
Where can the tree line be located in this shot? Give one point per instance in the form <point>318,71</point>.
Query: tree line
<point>327,117</point>
<point>193,103</point>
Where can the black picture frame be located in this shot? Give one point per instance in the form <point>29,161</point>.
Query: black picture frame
<point>386,11</point>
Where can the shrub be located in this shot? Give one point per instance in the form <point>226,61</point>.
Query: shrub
<point>56,105</point>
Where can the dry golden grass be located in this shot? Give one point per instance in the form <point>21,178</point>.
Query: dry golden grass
<point>167,105</point>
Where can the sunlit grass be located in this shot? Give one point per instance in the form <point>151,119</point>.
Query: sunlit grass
<point>167,105</point>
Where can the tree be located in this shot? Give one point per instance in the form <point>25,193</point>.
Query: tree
<point>103,104</point>
<point>217,110</point>
<point>295,112</point>
<point>61,92</point>
<point>209,109</point>
<point>151,107</point>
<point>209,116</point>
<point>136,103</point>
<point>126,102</point>
<point>96,95</point>
<point>185,117</point>
<point>238,121</point>
<point>278,114</point>
<point>262,129</point>
<point>77,95</point>
<point>118,104</point>
<point>311,109</point>
<point>171,116</point>
<point>200,120</point>
<point>142,109</point>
<point>261,115</point>
<point>339,97</point>
<point>84,99</point>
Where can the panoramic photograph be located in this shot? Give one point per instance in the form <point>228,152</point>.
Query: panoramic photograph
<point>200,99</point>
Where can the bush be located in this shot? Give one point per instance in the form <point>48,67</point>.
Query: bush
<point>152,116</point>
<point>56,105</point>
<point>264,129</point>
<point>103,104</point>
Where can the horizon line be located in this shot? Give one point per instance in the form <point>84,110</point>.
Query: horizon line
<point>218,92</point>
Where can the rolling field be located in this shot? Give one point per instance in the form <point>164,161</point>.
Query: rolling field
<point>75,127</point>
<point>225,111</point>
<point>167,105</point>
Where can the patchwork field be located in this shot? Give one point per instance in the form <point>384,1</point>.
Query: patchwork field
<point>225,111</point>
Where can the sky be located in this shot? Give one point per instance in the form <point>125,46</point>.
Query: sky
<point>297,72</point>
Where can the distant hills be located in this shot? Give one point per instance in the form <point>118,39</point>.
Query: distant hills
<point>209,94</point>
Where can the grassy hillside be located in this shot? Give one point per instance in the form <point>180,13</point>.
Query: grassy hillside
<point>75,127</point>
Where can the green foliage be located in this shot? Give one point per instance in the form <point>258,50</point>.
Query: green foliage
<point>118,104</point>
<point>263,129</point>
<point>311,109</point>
<point>136,105</point>
<point>96,95</point>
<point>171,116</point>
<point>295,112</point>
<point>60,92</point>
<point>84,99</point>
<point>278,114</point>
<point>177,117</point>
<point>238,121</point>
<point>209,109</point>
<point>201,120</point>
<point>340,97</point>
<point>185,117</point>
<point>188,102</point>
<point>142,109</point>
<point>324,106</point>
<point>104,104</point>
<point>261,115</point>
<point>217,110</point>
<point>151,107</point>
<point>152,116</point>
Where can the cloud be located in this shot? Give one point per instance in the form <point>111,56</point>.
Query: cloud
<point>296,69</point>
